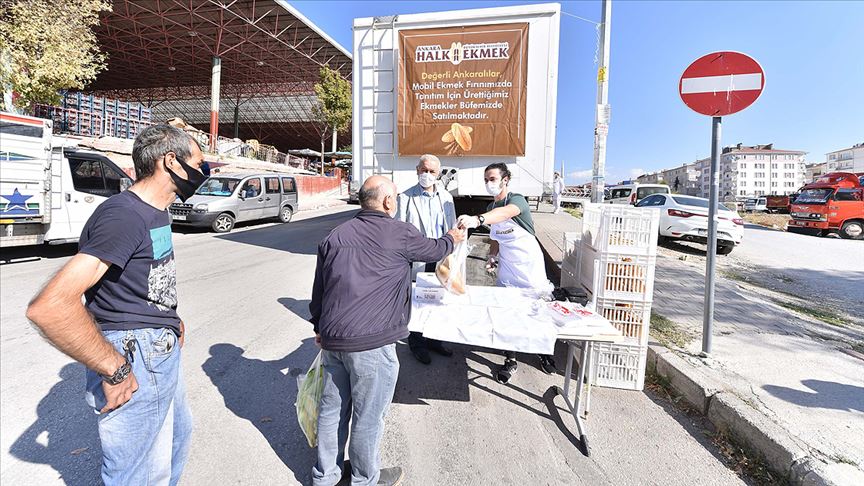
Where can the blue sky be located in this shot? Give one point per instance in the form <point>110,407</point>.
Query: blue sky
<point>811,53</point>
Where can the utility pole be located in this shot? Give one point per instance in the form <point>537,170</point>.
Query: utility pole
<point>601,122</point>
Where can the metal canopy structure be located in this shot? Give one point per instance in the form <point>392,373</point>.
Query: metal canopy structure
<point>262,57</point>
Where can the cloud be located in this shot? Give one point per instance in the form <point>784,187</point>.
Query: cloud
<point>581,175</point>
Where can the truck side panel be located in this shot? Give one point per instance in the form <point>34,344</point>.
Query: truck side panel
<point>376,61</point>
<point>25,180</point>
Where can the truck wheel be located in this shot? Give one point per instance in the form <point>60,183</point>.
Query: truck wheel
<point>725,249</point>
<point>223,223</point>
<point>852,230</point>
<point>285,214</point>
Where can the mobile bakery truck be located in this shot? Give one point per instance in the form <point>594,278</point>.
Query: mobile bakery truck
<point>456,85</point>
<point>48,187</point>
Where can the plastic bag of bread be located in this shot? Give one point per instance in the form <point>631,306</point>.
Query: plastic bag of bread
<point>451,271</point>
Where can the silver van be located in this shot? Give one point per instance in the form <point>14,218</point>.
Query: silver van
<point>226,199</point>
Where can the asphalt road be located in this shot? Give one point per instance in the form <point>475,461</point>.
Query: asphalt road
<point>244,299</point>
<point>808,265</point>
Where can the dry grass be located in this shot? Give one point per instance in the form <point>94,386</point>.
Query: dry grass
<point>776,221</point>
<point>575,212</point>
<point>669,333</point>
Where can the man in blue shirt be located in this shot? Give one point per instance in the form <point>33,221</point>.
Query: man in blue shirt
<point>430,209</point>
<point>128,333</point>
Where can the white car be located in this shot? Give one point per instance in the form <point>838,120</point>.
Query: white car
<point>686,218</point>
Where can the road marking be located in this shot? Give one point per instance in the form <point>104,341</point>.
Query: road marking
<point>714,84</point>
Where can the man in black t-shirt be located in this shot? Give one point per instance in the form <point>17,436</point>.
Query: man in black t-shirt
<point>128,333</point>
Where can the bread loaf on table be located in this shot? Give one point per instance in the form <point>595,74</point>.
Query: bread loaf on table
<point>452,281</point>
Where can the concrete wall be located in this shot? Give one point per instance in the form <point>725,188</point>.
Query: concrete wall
<point>308,185</point>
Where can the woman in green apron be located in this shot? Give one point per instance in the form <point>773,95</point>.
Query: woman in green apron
<point>514,250</point>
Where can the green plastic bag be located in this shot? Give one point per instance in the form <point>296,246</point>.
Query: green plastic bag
<point>309,389</point>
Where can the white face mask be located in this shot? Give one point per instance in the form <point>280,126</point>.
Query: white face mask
<point>427,179</point>
<point>494,188</point>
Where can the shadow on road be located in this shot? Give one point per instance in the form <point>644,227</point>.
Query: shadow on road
<point>301,237</point>
<point>64,436</point>
<point>445,379</point>
<point>21,254</point>
<point>825,394</point>
<point>258,391</point>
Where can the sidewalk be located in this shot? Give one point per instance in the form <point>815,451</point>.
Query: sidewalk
<point>324,200</point>
<point>778,382</point>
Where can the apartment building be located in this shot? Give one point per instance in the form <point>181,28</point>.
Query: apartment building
<point>682,180</point>
<point>747,171</point>
<point>814,171</point>
<point>846,160</point>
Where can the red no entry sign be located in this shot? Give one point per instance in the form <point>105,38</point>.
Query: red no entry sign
<point>721,83</point>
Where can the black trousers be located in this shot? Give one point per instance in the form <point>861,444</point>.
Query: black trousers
<point>416,339</point>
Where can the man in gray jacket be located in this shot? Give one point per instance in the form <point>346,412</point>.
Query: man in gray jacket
<point>430,209</point>
<point>361,305</point>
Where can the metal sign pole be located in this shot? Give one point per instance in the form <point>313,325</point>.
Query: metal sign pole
<point>708,315</point>
<point>601,124</point>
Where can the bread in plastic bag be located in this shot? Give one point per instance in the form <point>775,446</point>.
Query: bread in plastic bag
<point>309,389</point>
<point>452,270</point>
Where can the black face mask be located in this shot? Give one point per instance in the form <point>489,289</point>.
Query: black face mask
<point>186,187</point>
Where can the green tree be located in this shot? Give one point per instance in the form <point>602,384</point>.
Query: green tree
<point>46,46</point>
<point>332,110</point>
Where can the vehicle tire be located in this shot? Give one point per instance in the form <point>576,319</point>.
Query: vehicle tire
<point>852,230</point>
<point>662,240</point>
<point>285,214</point>
<point>725,249</point>
<point>223,223</point>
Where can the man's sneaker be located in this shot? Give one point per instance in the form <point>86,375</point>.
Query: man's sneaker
<point>547,364</point>
<point>506,371</point>
<point>391,476</point>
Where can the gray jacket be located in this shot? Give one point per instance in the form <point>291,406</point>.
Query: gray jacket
<point>408,211</point>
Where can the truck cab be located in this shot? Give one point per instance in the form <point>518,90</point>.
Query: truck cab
<point>49,191</point>
<point>227,199</point>
<point>834,202</point>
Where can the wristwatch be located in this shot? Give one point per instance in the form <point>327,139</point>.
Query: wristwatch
<point>119,375</point>
<point>481,219</point>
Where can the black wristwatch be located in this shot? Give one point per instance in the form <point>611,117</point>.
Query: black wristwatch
<point>481,219</point>
<point>119,375</point>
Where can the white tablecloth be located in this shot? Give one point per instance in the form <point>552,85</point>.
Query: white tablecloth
<point>499,318</point>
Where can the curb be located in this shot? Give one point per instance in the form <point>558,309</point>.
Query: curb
<point>750,428</point>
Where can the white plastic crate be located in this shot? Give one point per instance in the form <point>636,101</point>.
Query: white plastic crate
<point>622,276</point>
<point>619,365</point>
<point>633,319</point>
<point>621,228</point>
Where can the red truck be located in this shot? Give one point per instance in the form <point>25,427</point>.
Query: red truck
<point>778,203</point>
<point>834,202</point>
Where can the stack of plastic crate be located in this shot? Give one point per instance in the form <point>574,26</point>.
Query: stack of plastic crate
<point>619,242</point>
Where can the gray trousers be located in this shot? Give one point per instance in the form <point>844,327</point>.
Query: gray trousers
<point>358,388</point>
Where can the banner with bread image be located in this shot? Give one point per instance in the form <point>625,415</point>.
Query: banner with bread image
<point>462,90</point>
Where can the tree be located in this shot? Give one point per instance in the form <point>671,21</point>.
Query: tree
<point>332,110</point>
<point>46,46</point>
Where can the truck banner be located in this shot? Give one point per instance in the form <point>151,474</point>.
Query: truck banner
<point>462,90</point>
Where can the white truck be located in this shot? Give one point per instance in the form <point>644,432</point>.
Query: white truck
<point>49,189</point>
<point>440,81</point>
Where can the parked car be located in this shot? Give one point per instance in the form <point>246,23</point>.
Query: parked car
<point>686,218</point>
<point>633,193</point>
<point>756,204</point>
<point>227,199</point>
